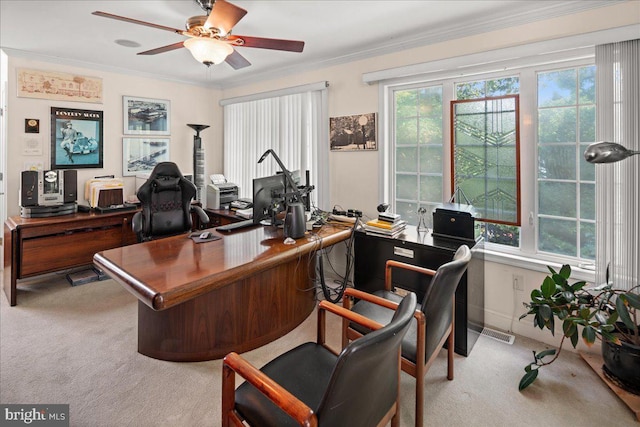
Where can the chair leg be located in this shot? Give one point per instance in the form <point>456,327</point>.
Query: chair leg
<point>419,394</point>
<point>228,394</point>
<point>450,345</point>
<point>395,421</point>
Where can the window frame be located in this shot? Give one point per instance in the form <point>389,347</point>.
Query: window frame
<point>526,255</point>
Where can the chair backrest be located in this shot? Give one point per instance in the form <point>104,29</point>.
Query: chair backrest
<point>364,382</point>
<point>437,303</point>
<point>166,200</point>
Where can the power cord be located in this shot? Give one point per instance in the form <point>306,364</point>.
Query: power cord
<point>345,279</point>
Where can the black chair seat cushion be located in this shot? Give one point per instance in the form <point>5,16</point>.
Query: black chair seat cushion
<point>304,371</point>
<point>383,316</point>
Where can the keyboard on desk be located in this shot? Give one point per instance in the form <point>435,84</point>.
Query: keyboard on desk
<point>235,225</point>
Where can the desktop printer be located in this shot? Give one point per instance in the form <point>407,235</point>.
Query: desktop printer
<point>220,195</point>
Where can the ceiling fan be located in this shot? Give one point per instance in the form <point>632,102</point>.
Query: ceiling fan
<point>210,40</point>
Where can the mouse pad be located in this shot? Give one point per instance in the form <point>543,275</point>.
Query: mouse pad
<point>196,237</point>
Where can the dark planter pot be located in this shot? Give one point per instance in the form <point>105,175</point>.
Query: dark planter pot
<point>622,365</point>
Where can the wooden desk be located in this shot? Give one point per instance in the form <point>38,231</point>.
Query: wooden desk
<point>199,301</point>
<point>222,217</point>
<point>34,246</point>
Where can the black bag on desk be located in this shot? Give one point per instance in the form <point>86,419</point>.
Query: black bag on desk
<point>454,221</point>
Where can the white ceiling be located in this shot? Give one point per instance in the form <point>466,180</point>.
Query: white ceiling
<point>333,31</point>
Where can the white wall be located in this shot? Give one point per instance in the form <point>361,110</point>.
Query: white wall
<point>189,104</point>
<point>354,175</point>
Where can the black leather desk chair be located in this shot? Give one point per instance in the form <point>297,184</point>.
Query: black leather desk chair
<point>433,324</point>
<point>312,385</point>
<point>166,204</point>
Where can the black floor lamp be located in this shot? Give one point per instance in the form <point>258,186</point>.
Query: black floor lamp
<point>198,160</point>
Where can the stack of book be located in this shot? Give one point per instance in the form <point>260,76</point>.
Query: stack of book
<point>387,224</point>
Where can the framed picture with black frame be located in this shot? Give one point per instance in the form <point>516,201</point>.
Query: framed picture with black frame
<point>76,138</point>
<point>146,116</point>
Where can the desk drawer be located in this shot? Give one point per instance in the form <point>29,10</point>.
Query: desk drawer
<point>61,251</point>
<point>54,228</point>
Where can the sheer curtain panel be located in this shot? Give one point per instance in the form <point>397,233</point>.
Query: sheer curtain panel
<point>293,125</point>
<point>618,184</point>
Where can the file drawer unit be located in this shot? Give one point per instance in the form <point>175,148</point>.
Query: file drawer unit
<point>422,249</point>
<point>34,246</point>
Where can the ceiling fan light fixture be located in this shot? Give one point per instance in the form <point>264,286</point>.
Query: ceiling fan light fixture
<point>207,50</point>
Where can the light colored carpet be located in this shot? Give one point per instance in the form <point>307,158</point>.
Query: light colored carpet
<point>77,345</point>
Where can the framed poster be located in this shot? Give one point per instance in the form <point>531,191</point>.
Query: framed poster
<point>353,133</point>
<point>76,138</point>
<point>146,116</point>
<point>143,154</point>
<point>59,86</point>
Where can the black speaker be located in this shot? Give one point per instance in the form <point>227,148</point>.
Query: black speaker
<point>70,185</point>
<point>29,188</point>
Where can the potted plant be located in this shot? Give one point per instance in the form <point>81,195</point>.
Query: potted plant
<point>602,312</point>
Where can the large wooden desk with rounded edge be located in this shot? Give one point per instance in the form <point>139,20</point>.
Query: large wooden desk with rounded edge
<point>199,301</point>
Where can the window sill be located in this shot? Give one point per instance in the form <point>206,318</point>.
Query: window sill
<point>534,264</point>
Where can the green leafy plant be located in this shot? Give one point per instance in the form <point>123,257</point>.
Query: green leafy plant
<point>601,312</point>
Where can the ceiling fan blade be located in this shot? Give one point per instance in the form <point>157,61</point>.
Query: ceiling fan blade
<point>224,16</point>
<point>237,61</point>
<point>265,43</point>
<point>135,21</point>
<point>163,49</point>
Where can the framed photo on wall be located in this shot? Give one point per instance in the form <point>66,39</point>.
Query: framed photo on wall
<point>143,154</point>
<point>353,133</point>
<point>146,116</point>
<point>76,138</point>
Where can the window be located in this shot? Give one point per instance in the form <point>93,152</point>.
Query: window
<point>485,168</point>
<point>418,151</point>
<point>557,121</point>
<point>566,183</point>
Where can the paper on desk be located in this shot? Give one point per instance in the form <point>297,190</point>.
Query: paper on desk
<point>245,213</point>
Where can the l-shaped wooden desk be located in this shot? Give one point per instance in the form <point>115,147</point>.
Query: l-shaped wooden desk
<point>199,301</point>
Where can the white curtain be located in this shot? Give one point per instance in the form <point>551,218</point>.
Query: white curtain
<point>618,184</point>
<point>294,126</point>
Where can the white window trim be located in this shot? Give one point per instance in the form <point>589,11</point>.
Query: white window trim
<point>526,256</point>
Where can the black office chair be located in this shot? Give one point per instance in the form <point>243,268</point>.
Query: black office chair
<point>433,324</point>
<point>313,385</point>
<point>166,204</point>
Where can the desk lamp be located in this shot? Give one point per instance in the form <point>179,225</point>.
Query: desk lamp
<point>198,160</point>
<point>607,152</point>
<point>294,219</point>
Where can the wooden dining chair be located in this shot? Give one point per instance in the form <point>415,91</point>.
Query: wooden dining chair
<point>312,385</point>
<point>433,323</point>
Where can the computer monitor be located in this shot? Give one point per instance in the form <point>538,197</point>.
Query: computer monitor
<point>268,198</point>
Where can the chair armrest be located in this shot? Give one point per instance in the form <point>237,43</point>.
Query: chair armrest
<point>204,218</point>
<point>349,315</point>
<point>404,266</point>
<point>233,363</point>
<point>136,223</point>
<point>351,292</point>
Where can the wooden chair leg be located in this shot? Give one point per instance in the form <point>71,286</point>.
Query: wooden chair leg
<point>419,396</point>
<point>228,394</point>
<point>450,349</point>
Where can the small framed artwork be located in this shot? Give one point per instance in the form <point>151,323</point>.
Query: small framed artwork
<point>353,133</point>
<point>76,138</point>
<point>143,154</point>
<point>146,116</point>
<point>31,126</point>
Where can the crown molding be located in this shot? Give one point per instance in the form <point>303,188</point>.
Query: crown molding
<point>530,11</point>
